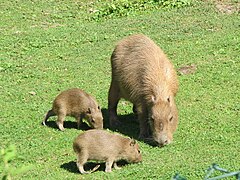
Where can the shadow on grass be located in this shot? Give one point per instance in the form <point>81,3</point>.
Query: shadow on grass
<point>67,125</point>
<point>129,125</point>
<point>72,167</point>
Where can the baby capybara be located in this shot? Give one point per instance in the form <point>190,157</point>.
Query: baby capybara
<point>76,103</point>
<point>142,74</point>
<point>101,145</point>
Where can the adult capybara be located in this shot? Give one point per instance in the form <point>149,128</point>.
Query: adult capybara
<point>142,74</point>
<point>76,103</point>
<point>102,145</point>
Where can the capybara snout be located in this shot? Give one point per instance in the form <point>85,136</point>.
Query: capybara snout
<point>163,121</point>
<point>95,118</point>
<point>135,150</point>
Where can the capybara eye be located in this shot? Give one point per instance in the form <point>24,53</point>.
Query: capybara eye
<point>139,151</point>
<point>98,107</point>
<point>93,120</point>
<point>171,118</point>
<point>168,99</point>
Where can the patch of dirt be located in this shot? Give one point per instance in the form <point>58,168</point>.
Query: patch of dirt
<point>187,69</point>
<point>227,7</point>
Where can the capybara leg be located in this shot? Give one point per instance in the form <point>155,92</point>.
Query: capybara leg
<point>81,169</point>
<point>113,99</point>
<point>60,120</point>
<point>109,166</point>
<point>143,122</point>
<point>48,114</point>
<point>116,166</point>
<point>79,122</point>
<point>81,160</point>
<point>134,109</point>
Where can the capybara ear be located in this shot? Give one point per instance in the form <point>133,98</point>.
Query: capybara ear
<point>89,111</point>
<point>133,142</point>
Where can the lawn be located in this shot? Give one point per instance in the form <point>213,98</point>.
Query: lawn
<point>48,47</point>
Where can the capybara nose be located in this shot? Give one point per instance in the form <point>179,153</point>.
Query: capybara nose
<point>164,141</point>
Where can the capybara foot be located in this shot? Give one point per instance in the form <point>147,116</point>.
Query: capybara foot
<point>60,126</point>
<point>44,123</point>
<point>116,166</point>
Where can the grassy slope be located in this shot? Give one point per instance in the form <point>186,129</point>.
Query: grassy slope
<point>48,47</point>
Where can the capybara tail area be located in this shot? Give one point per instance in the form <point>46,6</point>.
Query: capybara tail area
<point>77,149</point>
<point>49,114</point>
<point>94,169</point>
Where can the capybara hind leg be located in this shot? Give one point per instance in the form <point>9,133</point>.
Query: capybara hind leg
<point>80,164</point>
<point>143,122</point>
<point>60,120</point>
<point>48,114</point>
<point>113,99</point>
<point>116,166</point>
<point>109,166</point>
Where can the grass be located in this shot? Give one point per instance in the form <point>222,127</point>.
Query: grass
<point>47,47</point>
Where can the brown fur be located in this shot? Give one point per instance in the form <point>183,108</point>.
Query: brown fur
<point>142,74</point>
<point>76,103</point>
<point>101,145</point>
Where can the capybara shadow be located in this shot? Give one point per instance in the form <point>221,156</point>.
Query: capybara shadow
<point>68,125</point>
<point>128,127</point>
<point>72,167</point>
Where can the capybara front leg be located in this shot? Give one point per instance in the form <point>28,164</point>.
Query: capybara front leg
<point>109,166</point>
<point>143,123</point>
<point>113,99</point>
<point>79,121</point>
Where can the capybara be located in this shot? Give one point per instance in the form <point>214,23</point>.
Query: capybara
<point>142,74</point>
<point>76,103</point>
<point>101,145</point>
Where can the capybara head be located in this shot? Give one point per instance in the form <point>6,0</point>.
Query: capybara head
<point>163,119</point>
<point>94,117</point>
<point>133,153</point>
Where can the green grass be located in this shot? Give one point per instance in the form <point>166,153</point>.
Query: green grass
<point>47,47</point>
